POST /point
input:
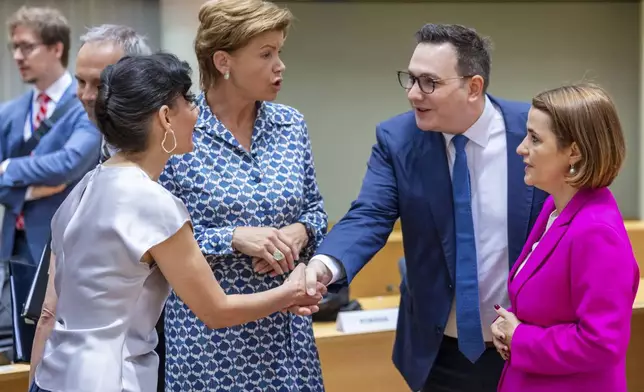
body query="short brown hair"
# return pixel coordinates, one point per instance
(229, 25)
(586, 115)
(48, 23)
(472, 49)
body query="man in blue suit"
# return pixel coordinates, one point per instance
(448, 169)
(40, 39)
(47, 142)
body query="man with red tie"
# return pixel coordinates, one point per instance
(47, 144)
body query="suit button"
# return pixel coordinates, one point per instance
(450, 286)
(438, 330)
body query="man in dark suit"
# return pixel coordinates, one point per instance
(449, 170)
(39, 167)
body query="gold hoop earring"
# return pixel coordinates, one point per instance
(227, 75)
(174, 139)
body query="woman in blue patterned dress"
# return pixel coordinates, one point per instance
(251, 190)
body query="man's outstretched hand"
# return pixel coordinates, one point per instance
(316, 274)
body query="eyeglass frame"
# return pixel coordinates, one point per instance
(414, 80)
(24, 47)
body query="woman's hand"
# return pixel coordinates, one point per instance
(506, 324)
(266, 243)
(299, 238)
(498, 337)
(303, 304)
(298, 235)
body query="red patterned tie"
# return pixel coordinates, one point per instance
(43, 100)
(41, 114)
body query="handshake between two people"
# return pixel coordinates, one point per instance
(308, 285)
(276, 252)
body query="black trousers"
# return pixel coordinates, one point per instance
(452, 372)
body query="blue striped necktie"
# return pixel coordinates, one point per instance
(468, 316)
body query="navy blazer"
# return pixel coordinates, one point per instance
(408, 178)
(63, 156)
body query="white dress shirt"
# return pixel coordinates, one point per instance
(487, 163)
(55, 93)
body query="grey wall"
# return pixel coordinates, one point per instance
(341, 61)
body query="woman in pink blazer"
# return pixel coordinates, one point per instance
(572, 289)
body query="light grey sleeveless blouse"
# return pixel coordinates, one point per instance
(108, 301)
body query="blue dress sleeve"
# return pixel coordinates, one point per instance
(211, 240)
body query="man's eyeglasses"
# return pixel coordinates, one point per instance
(426, 84)
(24, 47)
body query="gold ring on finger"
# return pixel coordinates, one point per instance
(278, 255)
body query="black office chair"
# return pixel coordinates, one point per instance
(32, 308)
(335, 302)
(6, 323)
(22, 301)
(20, 273)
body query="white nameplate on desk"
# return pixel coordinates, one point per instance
(367, 320)
(9, 368)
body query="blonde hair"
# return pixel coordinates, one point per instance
(229, 25)
(48, 23)
(585, 114)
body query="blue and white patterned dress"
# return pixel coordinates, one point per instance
(223, 187)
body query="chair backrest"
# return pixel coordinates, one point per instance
(36, 296)
(20, 275)
(5, 300)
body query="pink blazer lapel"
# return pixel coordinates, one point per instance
(535, 234)
(549, 241)
(539, 256)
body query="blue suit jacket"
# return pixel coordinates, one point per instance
(408, 178)
(63, 156)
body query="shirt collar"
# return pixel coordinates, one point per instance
(266, 111)
(481, 130)
(56, 91)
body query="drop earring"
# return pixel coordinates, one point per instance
(174, 141)
(227, 75)
(572, 170)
